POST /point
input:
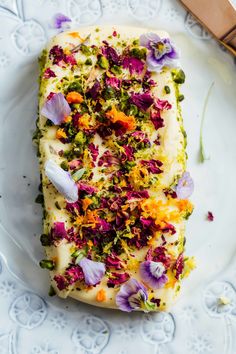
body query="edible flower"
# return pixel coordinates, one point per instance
(185, 186)
(134, 65)
(131, 296)
(142, 100)
(117, 278)
(113, 82)
(112, 261)
(111, 54)
(210, 216)
(72, 274)
(152, 165)
(162, 51)
(60, 21)
(156, 119)
(48, 73)
(56, 108)
(179, 266)
(101, 295)
(94, 90)
(128, 122)
(93, 271)
(162, 104)
(74, 97)
(62, 181)
(153, 274)
(58, 231)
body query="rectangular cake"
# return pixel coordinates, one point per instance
(113, 167)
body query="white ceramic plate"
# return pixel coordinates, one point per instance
(33, 323)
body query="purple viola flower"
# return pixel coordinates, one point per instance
(153, 274)
(62, 181)
(142, 100)
(60, 21)
(132, 296)
(185, 186)
(93, 271)
(56, 108)
(162, 51)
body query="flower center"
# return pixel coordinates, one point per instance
(136, 299)
(160, 49)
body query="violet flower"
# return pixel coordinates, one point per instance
(131, 296)
(185, 186)
(153, 274)
(162, 51)
(62, 181)
(60, 21)
(56, 108)
(93, 271)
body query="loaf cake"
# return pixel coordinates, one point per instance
(112, 153)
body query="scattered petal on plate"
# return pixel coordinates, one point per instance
(62, 181)
(60, 21)
(210, 216)
(185, 186)
(132, 295)
(153, 274)
(93, 271)
(56, 108)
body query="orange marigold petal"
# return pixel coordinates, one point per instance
(74, 97)
(101, 295)
(61, 134)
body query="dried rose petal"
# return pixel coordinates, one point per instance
(210, 216)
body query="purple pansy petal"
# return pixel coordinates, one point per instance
(56, 109)
(185, 186)
(145, 39)
(62, 181)
(93, 271)
(59, 20)
(153, 274)
(131, 296)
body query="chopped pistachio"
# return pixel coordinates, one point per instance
(51, 291)
(167, 89)
(103, 62)
(64, 165)
(39, 199)
(178, 76)
(180, 98)
(88, 61)
(47, 264)
(45, 240)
